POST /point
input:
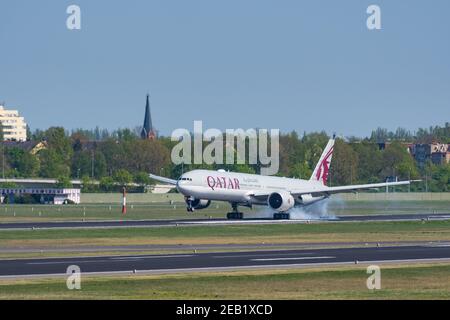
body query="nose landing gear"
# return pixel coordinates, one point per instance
(189, 202)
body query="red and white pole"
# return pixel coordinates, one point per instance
(124, 201)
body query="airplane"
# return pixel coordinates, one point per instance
(281, 194)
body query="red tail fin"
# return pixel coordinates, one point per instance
(323, 166)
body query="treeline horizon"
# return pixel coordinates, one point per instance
(122, 157)
(431, 134)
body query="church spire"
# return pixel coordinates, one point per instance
(147, 130)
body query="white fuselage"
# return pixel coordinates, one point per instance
(241, 187)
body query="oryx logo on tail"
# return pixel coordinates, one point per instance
(323, 166)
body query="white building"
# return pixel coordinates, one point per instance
(14, 126)
(161, 188)
(43, 195)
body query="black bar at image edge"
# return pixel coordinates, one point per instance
(221, 309)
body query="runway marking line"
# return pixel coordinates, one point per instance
(150, 257)
(293, 258)
(108, 260)
(67, 262)
(274, 253)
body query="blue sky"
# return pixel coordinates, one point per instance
(293, 65)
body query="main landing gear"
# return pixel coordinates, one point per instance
(235, 214)
(281, 216)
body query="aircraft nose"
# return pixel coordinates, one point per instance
(181, 186)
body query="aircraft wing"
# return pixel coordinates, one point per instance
(353, 188)
(163, 179)
(326, 191)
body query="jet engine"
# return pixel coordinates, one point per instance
(281, 201)
(200, 204)
(197, 204)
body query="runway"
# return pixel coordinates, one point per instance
(187, 222)
(222, 261)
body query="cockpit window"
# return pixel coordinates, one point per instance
(185, 179)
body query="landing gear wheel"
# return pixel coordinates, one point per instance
(281, 216)
(235, 216)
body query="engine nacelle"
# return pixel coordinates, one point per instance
(199, 204)
(281, 201)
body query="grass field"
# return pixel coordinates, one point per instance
(428, 281)
(329, 232)
(177, 210)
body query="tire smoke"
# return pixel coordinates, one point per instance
(322, 210)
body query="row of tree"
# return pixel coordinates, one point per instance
(122, 157)
(422, 135)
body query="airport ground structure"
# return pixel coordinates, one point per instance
(55, 196)
(43, 191)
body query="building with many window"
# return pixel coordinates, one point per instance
(14, 126)
(436, 153)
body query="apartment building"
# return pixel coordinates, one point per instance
(14, 126)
